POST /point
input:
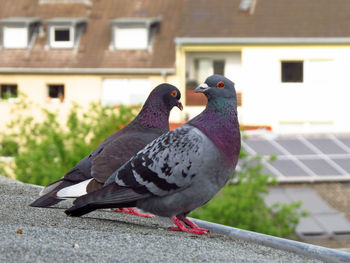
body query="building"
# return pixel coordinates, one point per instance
(281, 55)
(58, 52)
(286, 58)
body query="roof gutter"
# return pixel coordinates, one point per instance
(311, 251)
(89, 71)
(260, 40)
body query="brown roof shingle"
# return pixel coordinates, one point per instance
(93, 51)
(180, 18)
(271, 18)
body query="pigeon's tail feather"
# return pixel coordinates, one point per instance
(73, 191)
(110, 196)
(47, 195)
(79, 211)
(45, 201)
(48, 198)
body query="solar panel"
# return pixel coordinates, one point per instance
(326, 146)
(294, 146)
(323, 221)
(289, 168)
(345, 140)
(267, 170)
(343, 163)
(320, 167)
(263, 147)
(303, 157)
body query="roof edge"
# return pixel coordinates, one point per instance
(70, 71)
(312, 251)
(261, 40)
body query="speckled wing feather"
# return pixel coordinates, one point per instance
(166, 165)
(118, 151)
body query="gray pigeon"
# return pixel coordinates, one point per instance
(182, 169)
(92, 171)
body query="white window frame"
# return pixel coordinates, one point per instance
(122, 44)
(61, 44)
(14, 43)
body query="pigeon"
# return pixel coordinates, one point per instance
(93, 170)
(182, 169)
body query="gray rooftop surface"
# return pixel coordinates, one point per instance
(48, 235)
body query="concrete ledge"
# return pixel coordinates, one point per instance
(48, 235)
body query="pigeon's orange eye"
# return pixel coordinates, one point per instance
(174, 93)
(220, 85)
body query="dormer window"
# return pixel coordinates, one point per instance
(134, 33)
(18, 32)
(65, 32)
(61, 37)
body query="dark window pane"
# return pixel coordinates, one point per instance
(292, 71)
(219, 67)
(62, 35)
(8, 91)
(56, 91)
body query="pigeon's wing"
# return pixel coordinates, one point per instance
(166, 165)
(117, 152)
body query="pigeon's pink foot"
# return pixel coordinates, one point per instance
(132, 211)
(194, 229)
(193, 225)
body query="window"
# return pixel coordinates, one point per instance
(15, 37)
(133, 32)
(62, 34)
(61, 37)
(18, 32)
(8, 91)
(131, 38)
(56, 92)
(219, 67)
(125, 91)
(65, 32)
(292, 71)
(206, 67)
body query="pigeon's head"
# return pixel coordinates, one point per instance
(217, 86)
(168, 95)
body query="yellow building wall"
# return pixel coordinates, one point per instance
(82, 89)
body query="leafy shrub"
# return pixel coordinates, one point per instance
(47, 149)
(8, 148)
(241, 203)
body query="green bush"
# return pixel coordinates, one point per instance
(241, 203)
(8, 147)
(47, 150)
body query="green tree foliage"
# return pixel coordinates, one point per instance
(241, 203)
(47, 149)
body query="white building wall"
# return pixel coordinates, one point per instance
(319, 104)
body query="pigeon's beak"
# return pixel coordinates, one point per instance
(179, 105)
(201, 88)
